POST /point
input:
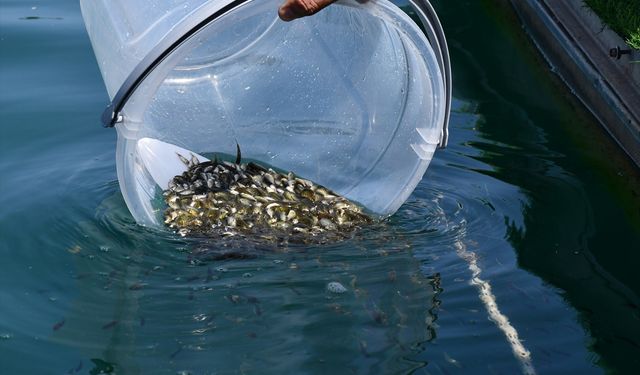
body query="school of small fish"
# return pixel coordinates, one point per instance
(226, 198)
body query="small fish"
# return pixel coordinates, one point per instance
(209, 274)
(174, 354)
(363, 348)
(75, 249)
(136, 286)
(184, 160)
(59, 325)
(452, 360)
(102, 367)
(238, 154)
(110, 325)
(392, 275)
(194, 160)
(377, 315)
(227, 199)
(76, 369)
(252, 299)
(40, 18)
(257, 310)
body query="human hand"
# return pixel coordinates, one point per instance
(292, 9)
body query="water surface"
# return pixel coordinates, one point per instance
(531, 200)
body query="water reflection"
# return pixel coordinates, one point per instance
(580, 216)
(558, 245)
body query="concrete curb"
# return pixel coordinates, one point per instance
(576, 44)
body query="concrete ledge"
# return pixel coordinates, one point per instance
(576, 44)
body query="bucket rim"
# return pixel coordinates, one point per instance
(208, 14)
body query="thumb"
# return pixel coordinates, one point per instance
(292, 9)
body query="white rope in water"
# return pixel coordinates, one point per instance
(486, 296)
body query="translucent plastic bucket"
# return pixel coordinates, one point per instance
(355, 98)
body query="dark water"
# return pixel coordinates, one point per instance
(531, 206)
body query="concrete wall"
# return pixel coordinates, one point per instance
(576, 44)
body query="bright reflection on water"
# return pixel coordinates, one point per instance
(83, 289)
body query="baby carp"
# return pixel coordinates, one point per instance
(225, 198)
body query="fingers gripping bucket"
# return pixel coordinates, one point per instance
(355, 98)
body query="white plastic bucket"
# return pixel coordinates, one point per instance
(355, 98)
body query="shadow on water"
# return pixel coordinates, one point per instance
(582, 216)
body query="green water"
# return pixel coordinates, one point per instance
(530, 190)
